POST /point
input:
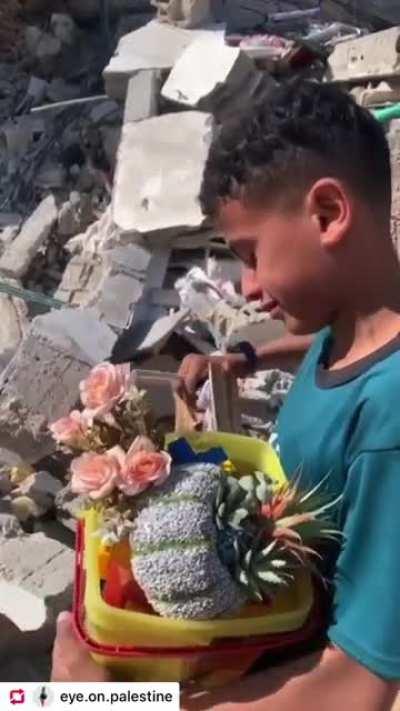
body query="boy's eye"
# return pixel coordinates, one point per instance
(245, 253)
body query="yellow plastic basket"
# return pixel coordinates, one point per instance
(112, 626)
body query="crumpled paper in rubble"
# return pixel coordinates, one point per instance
(214, 302)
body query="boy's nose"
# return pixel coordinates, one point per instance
(251, 289)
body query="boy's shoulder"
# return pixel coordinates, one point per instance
(376, 423)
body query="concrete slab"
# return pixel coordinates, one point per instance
(208, 72)
(154, 46)
(142, 96)
(161, 197)
(373, 56)
(41, 383)
(18, 255)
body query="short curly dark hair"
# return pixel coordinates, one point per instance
(299, 132)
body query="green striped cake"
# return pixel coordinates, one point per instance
(174, 542)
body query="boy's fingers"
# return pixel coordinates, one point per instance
(192, 371)
(71, 661)
(66, 645)
(65, 634)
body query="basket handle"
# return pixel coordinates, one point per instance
(224, 404)
(185, 419)
(224, 400)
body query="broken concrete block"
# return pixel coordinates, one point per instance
(17, 257)
(142, 96)
(125, 271)
(100, 235)
(111, 283)
(154, 46)
(80, 280)
(385, 92)
(23, 620)
(9, 526)
(13, 324)
(42, 566)
(68, 507)
(41, 382)
(373, 56)
(152, 336)
(41, 487)
(24, 610)
(189, 14)
(74, 215)
(163, 195)
(207, 72)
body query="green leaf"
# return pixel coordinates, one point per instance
(279, 563)
(266, 551)
(268, 576)
(247, 483)
(248, 557)
(243, 578)
(237, 518)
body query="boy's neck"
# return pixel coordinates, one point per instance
(371, 322)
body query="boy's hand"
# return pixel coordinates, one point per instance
(71, 661)
(194, 370)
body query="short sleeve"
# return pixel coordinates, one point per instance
(366, 622)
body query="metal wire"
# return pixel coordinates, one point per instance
(33, 297)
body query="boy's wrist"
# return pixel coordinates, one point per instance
(245, 357)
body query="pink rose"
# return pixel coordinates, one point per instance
(95, 475)
(142, 468)
(70, 430)
(104, 388)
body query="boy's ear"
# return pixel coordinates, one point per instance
(330, 209)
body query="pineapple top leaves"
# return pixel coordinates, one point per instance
(266, 535)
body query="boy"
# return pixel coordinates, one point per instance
(301, 187)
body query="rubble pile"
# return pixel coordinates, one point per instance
(106, 119)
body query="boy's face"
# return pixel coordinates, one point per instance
(294, 273)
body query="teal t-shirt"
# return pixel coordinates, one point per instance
(347, 423)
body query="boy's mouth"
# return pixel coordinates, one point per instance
(269, 305)
(273, 308)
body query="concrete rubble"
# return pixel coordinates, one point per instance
(17, 258)
(41, 382)
(105, 126)
(184, 14)
(163, 195)
(40, 566)
(155, 46)
(374, 56)
(206, 71)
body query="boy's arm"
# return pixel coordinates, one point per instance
(334, 683)
(285, 353)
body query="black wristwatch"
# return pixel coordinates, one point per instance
(249, 352)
